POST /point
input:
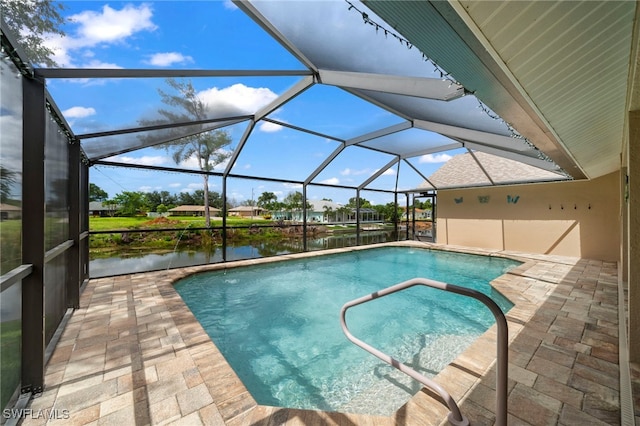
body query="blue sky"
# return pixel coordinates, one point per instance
(217, 35)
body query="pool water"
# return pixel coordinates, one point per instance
(278, 324)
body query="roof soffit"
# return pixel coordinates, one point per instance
(438, 30)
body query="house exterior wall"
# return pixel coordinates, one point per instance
(578, 218)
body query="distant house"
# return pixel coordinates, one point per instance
(187, 210)
(323, 211)
(421, 214)
(319, 211)
(246, 211)
(100, 209)
(8, 211)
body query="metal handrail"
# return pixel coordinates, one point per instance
(455, 417)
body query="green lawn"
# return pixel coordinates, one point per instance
(10, 244)
(119, 223)
(185, 234)
(10, 342)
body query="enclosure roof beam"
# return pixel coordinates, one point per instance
(324, 164)
(420, 173)
(535, 162)
(440, 148)
(155, 168)
(166, 73)
(481, 166)
(468, 134)
(230, 120)
(236, 152)
(302, 129)
(379, 172)
(379, 133)
(291, 93)
(12, 48)
(253, 12)
(430, 88)
(165, 140)
(377, 103)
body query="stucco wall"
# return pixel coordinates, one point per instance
(578, 218)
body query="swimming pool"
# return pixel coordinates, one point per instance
(278, 324)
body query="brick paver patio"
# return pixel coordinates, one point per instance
(134, 354)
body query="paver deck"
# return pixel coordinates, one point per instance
(134, 354)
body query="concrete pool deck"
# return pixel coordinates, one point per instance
(134, 354)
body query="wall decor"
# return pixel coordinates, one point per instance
(512, 200)
(458, 200)
(484, 199)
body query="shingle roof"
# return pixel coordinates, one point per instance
(9, 208)
(246, 209)
(463, 171)
(319, 205)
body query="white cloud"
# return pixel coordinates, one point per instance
(193, 163)
(60, 48)
(190, 187)
(434, 158)
(236, 99)
(112, 25)
(146, 160)
(99, 64)
(175, 185)
(331, 181)
(349, 172)
(292, 185)
(78, 112)
(168, 58)
(107, 26)
(269, 127)
(228, 4)
(389, 172)
(147, 188)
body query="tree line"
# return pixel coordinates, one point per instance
(131, 203)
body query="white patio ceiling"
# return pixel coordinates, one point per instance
(558, 71)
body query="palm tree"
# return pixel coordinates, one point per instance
(207, 147)
(344, 210)
(8, 178)
(327, 211)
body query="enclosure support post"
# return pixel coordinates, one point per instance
(406, 196)
(433, 217)
(304, 217)
(358, 217)
(224, 218)
(395, 217)
(84, 222)
(73, 262)
(413, 216)
(33, 234)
